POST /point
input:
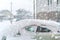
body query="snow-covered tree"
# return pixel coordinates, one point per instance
(23, 14)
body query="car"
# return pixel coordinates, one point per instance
(31, 29)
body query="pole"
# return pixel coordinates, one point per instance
(34, 9)
(11, 14)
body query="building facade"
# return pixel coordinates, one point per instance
(48, 9)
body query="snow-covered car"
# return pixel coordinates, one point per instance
(31, 29)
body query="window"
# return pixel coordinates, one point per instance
(58, 2)
(41, 29)
(30, 28)
(49, 2)
(36, 29)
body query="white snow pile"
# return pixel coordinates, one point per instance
(50, 24)
(12, 29)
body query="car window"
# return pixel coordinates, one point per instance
(37, 29)
(30, 28)
(42, 29)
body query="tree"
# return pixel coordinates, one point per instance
(22, 14)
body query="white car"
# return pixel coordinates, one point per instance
(31, 29)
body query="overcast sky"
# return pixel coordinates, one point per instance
(23, 4)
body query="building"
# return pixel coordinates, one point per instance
(48, 9)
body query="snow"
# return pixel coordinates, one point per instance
(4, 25)
(50, 24)
(9, 30)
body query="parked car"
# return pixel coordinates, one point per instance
(31, 29)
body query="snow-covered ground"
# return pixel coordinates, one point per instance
(4, 24)
(9, 30)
